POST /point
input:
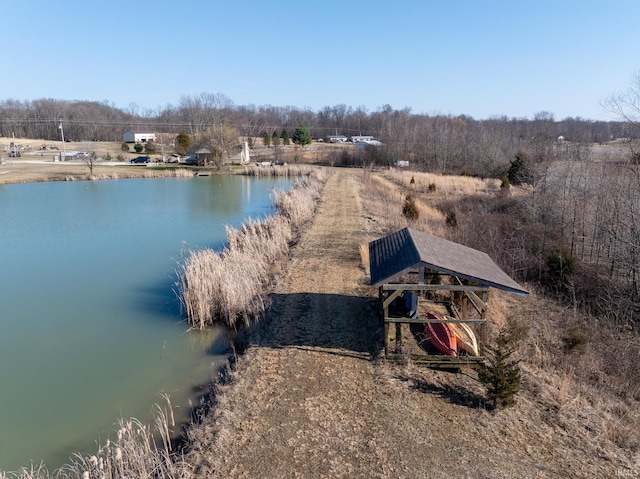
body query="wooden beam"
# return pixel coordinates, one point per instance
(438, 360)
(432, 287)
(390, 298)
(423, 321)
(480, 305)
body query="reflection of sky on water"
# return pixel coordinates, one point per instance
(89, 324)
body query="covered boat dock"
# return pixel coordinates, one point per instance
(426, 281)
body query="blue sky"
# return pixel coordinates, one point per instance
(478, 58)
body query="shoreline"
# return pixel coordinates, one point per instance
(177, 440)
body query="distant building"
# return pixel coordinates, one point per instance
(203, 156)
(138, 136)
(337, 138)
(358, 139)
(361, 145)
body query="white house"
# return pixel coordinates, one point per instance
(358, 139)
(138, 136)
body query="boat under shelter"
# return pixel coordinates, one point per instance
(424, 279)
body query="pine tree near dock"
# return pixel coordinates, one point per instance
(500, 374)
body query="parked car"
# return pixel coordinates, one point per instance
(82, 154)
(140, 159)
(14, 154)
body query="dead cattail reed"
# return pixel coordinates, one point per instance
(232, 285)
(288, 171)
(139, 450)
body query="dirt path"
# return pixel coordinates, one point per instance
(307, 399)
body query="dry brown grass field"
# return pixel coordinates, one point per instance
(312, 397)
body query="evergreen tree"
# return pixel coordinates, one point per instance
(124, 147)
(410, 209)
(520, 170)
(266, 138)
(183, 142)
(275, 139)
(285, 137)
(500, 374)
(138, 147)
(302, 136)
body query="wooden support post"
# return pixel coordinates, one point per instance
(386, 338)
(483, 327)
(383, 314)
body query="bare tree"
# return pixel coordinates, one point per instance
(202, 111)
(626, 105)
(90, 161)
(220, 140)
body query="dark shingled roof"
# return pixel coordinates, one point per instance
(408, 249)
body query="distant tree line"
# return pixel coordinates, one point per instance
(441, 143)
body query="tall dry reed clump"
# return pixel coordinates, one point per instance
(139, 451)
(289, 171)
(228, 285)
(232, 285)
(299, 203)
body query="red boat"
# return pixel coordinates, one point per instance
(441, 336)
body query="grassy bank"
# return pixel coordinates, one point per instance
(232, 285)
(580, 370)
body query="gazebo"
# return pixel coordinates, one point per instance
(203, 156)
(428, 287)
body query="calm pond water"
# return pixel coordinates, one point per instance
(90, 328)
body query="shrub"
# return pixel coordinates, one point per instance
(452, 219)
(432, 187)
(516, 330)
(413, 181)
(504, 183)
(150, 148)
(500, 374)
(138, 147)
(560, 268)
(574, 338)
(409, 209)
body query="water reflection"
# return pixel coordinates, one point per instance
(90, 328)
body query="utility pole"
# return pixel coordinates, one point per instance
(64, 152)
(162, 147)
